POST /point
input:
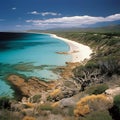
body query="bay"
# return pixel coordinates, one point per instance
(30, 54)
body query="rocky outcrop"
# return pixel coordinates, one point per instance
(113, 92)
(31, 86)
(61, 93)
(67, 102)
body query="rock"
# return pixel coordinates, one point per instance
(67, 102)
(30, 87)
(113, 92)
(64, 93)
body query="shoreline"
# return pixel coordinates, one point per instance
(78, 51)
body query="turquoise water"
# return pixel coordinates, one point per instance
(30, 55)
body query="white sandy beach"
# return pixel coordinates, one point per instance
(78, 51)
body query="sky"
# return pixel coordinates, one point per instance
(20, 15)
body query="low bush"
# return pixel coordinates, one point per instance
(97, 89)
(4, 103)
(71, 111)
(29, 118)
(45, 107)
(29, 105)
(115, 110)
(113, 41)
(9, 115)
(35, 98)
(55, 95)
(55, 92)
(109, 65)
(91, 65)
(57, 110)
(91, 103)
(98, 115)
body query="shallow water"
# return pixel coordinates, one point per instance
(30, 55)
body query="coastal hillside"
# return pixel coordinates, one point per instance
(102, 71)
(86, 91)
(105, 59)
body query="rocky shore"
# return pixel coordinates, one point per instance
(31, 86)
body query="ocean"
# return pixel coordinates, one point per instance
(30, 54)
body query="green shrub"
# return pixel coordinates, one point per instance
(57, 110)
(4, 103)
(98, 115)
(8, 115)
(97, 89)
(71, 111)
(115, 110)
(91, 64)
(109, 65)
(46, 107)
(36, 98)
(68, 111)
(113, 42)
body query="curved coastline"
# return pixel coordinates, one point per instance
(78, 51)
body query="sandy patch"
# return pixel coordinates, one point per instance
(78, 51)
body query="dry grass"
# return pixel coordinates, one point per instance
(28, 118)
(91, 103)
(56, 104)
(29, 105)
(55, 92)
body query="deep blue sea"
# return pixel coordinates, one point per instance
(30, 54)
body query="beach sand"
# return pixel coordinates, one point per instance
(78, 51)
